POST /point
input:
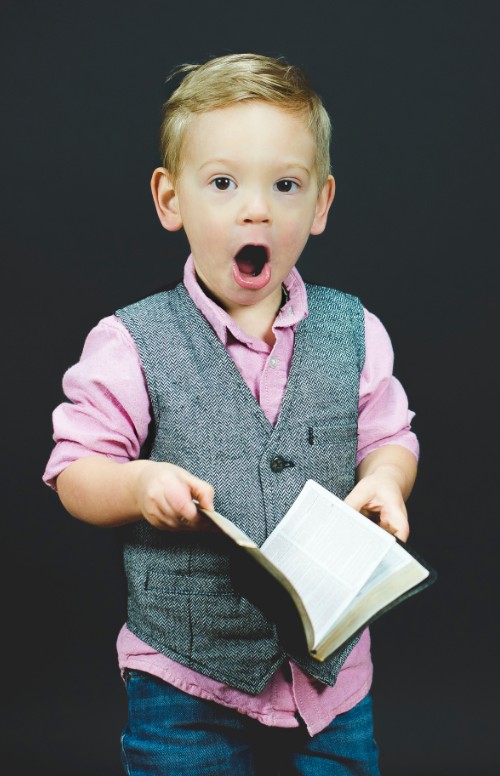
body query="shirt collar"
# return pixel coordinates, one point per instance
(290, 314)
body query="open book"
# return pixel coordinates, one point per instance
(340, 570)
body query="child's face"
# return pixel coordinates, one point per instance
(247, 179)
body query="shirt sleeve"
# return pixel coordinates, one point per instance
(384, 416)
(108, 409)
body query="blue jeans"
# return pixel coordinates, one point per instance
(170, 733)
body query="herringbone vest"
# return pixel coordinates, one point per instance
(181, 598)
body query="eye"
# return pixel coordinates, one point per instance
(286, 186)
(223, 184)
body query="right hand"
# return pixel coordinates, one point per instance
(164, 495)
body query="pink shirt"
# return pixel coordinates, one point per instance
(109, 415)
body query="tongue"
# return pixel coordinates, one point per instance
(251, 268)
(246, 267)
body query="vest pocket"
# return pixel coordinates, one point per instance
(331, 434)
(201, 619)
(157, 581)
(169, 606)
(231, 628)
(206, 620)
(331, 457)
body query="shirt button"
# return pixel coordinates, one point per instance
(273, 361)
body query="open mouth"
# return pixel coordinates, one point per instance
(251, 259)
(251, 267)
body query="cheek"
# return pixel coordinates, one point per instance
(217, 230)
(213, 243)
(295, 232)
(201, 230)
(208, 241)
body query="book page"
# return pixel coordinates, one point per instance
(328, 551)
(393, 562)
(397, 573)
(229, 528)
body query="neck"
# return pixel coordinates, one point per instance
(258, 319)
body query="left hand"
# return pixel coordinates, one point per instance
(379, 497)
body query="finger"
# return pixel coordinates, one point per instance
(180, 503)
(203, 492)
(397, 526)
(359, 497)
(402, 533)
(201, 496)
(388, 527)
(371, 514)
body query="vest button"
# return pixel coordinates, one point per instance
(278, 464)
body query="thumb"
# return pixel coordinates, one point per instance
(203, 492)
(358, 496)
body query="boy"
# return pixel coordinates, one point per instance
(232, 389)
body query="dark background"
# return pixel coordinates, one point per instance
(413, 93)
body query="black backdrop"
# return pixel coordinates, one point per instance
(412, 90)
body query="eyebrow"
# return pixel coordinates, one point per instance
(286, 164)
(215, 161)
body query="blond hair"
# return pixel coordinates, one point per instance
(233, 78)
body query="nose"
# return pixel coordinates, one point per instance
(255, 209)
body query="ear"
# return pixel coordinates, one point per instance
(325, 199)
(166, 201)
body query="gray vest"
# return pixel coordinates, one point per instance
(181, 599)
